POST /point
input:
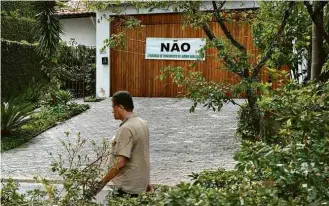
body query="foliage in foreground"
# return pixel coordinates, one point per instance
(298, 108)
(40, 122)
(14, 115)
(80, 172)
(292, 170)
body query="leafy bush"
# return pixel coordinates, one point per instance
(64, 96)
(247, 129)
(244, 192)
(294, 154)
(80, 172)
(41, 121)
(76, 108)
(291, 170)
(14, 115)
(93, 99)
(10, 195)
(60, 97)
(48, 100)
(288, 104)
(300, 113)
(217, 179)
(50, 115)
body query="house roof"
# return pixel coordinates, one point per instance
(66, 14)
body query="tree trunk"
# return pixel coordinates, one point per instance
(317, 45)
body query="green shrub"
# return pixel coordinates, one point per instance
(48, 100)
(243, 192)
(49, 115)
(80, 174)
(299, 112)
(218, 178)
(90, 99)
(93, 99)
(279, 106)
(17, 29)
(247, 129)
(20, 67)
(41, 121)
(156, 197)
(76, 108)
(291, 170)
(64, 96)
(10, 195)
(60, 97)
(297, 161)
(13, 115)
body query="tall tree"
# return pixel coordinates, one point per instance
(47, 33)
(48, 29)
(316, 12)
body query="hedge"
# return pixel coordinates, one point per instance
(19, 8)
(20, 67)
(17, 29)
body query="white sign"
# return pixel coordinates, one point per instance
(174, 48)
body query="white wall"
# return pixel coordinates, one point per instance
(102, 71)
(83, 30)
(103, 32)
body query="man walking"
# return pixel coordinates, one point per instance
(130, 170)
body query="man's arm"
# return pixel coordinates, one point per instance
(119, 162)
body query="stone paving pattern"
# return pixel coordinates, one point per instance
(181, 142)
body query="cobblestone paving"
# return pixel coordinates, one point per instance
(181, 142)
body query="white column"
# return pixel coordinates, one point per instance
(102, 71)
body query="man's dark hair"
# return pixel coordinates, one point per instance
(124, 99)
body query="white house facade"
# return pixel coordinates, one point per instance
(79, 28)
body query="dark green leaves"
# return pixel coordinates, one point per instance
(48, 29)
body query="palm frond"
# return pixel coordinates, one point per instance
(14, 115)
(48, 29)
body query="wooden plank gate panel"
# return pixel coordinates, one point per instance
(132, 72)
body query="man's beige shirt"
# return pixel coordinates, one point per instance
(132, 141)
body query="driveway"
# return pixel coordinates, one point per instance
(181, 142)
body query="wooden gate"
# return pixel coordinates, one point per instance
(129, 70)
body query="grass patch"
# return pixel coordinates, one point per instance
(48, 117)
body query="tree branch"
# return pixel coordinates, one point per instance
(312, 15)
(213, 38)
(234, 102)
(268, 54)
(227, 33)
